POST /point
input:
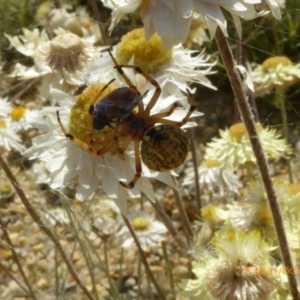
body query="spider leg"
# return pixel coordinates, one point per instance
(138, 168)
(166, 113)
(193, 106)
(150, 79)
(81, 144)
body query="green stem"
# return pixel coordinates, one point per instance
(280, 99)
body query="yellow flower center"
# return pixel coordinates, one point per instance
(208, 212)
(17, 113)
(79, 114)
(2, 123)
(238, 131)
(210, 163)
(148, 55)
(273, 62)
(140, 223)
(294, 188)
(5, 188)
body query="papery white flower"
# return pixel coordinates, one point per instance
(275, 72)
(214, 179)
(172, 19)
(21, 118)
(174, 68)
(106, 217)
(77, 22)
(233, 148)
(55, 216)
(148, 230)
(67, 162)
(8, 137)
(59, 61)
(6, 107)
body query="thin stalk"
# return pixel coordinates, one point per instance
(114, 291)
(100, 23)
(16, 259)
(144, 259)
(195, 166)
(43, 226)
(9, 274)
(184, 218)
(248, 120)
(172, 230)
(83, 248)
(169, 269)
(56, 275)
(285, 131)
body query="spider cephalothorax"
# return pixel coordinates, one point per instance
(164, 147)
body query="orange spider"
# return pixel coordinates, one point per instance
(164, 147)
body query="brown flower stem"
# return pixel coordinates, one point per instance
(248, 120)
(43, 226)
(195, 166)
(144, 259)
(15, 258)
(172, 230)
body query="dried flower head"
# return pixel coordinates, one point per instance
(231, 270)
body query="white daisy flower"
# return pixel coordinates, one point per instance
(9, 139)
(233, 148)
(148, 230)
(214, 179)
(59, 61)
(68, 162)
(197, 32)
(173, 25)
(6, 107)
(55, 216)
(21, 118)
(106, 217)
(173, 68)
(52, 18)
(275, 72)
(229, 270)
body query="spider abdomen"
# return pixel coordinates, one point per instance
(164, 147)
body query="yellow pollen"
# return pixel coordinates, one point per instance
(148, 55)
(17, 113)
(273, 62)
(238, 131)
(294, 188)
(211, 163)
(140, 223)
(79, 114)
(2, 124)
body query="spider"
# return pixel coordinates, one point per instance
(164, 147)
